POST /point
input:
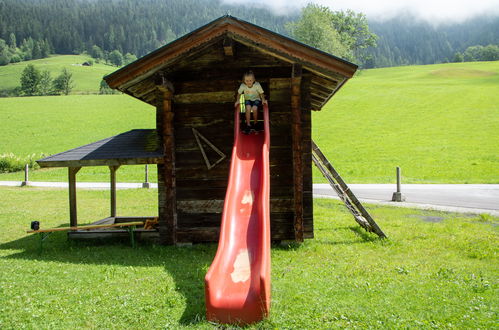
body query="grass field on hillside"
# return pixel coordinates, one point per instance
(53, 124)
(436, 270)
(439, 123)
(86, 78)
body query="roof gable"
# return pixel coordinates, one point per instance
(273, 44)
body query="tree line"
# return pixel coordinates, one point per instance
(28, 49)
(128, 26)
(406, 40)
(120, 30)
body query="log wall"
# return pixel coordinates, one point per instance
(204, 101)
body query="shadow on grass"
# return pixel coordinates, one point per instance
(186, 265)
(366, 236)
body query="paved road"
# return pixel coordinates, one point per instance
(476, 198)
(472, 198)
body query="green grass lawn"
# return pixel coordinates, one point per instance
(439, 123)
(87, 78)
(436, 270)
(52, 124)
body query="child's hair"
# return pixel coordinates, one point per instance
(248, 74)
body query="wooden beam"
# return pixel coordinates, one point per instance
(163, 84)
(102, 162)
(168, 211)
(113, 189)
(228, 46)
(73, 218)
(296, 109)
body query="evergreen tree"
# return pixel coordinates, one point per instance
(64, 83)
(12, 41)
(30, 80)
(45, 85)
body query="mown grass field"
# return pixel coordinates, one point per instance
(440, 123)
(436, 270)
(87, 78)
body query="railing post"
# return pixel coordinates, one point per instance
(146, 183)
(26, 176)
(398, 196)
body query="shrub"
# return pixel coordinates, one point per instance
(12, 163)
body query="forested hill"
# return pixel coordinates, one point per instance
(140, 26)
(130, 26)
(406, 40)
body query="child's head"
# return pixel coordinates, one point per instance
(249, 78)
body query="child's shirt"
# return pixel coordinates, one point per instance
(251, 94)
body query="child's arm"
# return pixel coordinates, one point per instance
(262, 97)
(237, 99)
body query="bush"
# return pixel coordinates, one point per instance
(12, 163)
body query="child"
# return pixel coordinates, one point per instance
(253, 97)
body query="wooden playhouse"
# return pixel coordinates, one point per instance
(192, 83)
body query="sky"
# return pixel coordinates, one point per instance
(431, 10)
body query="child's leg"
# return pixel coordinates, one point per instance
(255, 113)
(248, 114)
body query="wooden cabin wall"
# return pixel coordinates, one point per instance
(204, 100)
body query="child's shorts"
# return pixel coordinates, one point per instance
(255, 103)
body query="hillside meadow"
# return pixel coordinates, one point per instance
(439, 123)
(87, 78)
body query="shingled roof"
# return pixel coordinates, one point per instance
(330, 72)
(138, 146)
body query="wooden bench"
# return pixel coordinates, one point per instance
(130, 226)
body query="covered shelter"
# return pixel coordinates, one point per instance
(192, 83)
(135, 147)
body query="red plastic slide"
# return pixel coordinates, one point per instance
(237, 285)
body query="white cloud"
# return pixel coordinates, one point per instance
(439, 10)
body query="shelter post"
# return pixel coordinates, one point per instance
(113, 170)
(73, 218)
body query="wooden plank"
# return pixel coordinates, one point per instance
(197, 86)
(280, 83)
(124, 224)
(228, 47)
(212, 97)
(216, 206)
(103, 162)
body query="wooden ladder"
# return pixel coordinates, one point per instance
(358, 211)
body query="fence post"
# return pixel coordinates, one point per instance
(398, 196)
(26, 176)
(146, 183)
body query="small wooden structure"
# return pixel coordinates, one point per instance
(192, 84)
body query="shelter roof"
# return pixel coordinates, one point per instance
(331, 72)
(138, 146)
